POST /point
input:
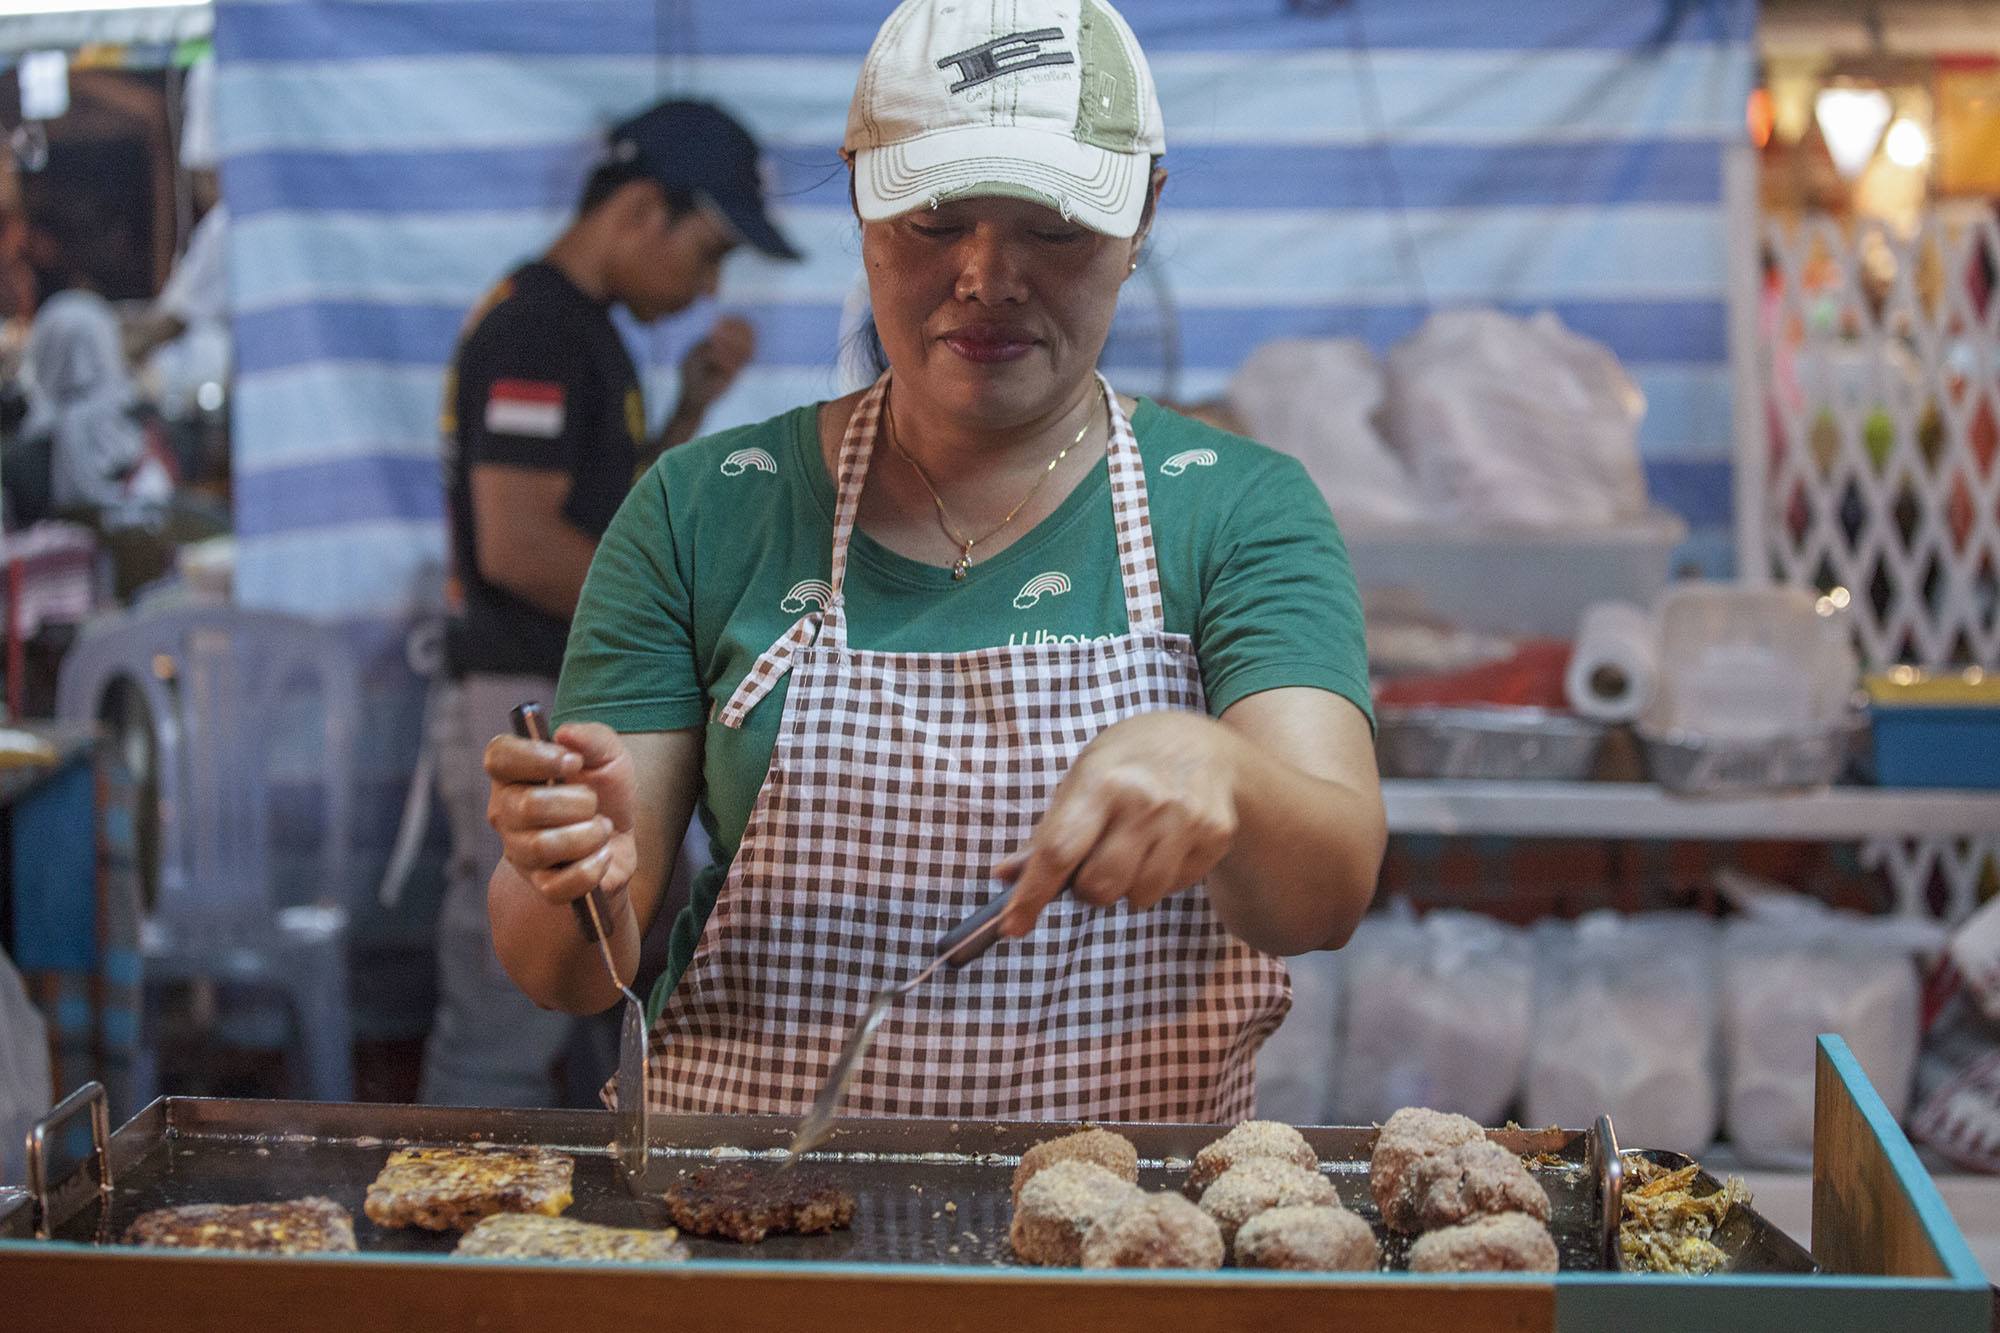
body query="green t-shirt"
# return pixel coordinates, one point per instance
(715, 553)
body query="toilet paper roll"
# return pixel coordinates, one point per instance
(1615, 664)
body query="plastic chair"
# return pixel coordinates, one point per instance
(214, 680)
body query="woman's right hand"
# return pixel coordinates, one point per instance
(564, 809)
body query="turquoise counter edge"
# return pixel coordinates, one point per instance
(1918, 1186)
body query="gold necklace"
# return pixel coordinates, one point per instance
(963, 542)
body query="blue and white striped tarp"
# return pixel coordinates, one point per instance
(386, 160)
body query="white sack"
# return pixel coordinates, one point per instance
(1433, 1013)
(1512, 421)
(1295, 1068)
(1784, 982)
(1625, 1025)
(1316, 399)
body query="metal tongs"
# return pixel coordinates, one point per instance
(967, 941)
(593, 917)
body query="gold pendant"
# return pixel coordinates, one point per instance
(959, 566)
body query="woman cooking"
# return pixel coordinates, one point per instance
(984, 621)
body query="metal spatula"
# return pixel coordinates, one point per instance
(592, 918)
(967, 941)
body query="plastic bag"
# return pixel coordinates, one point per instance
(1316, 399)
(1958, 1087)
(1791, 970)
(1625, 1025)
(1433, 1013)
(26, 1090)
(1295, 1070)
(1512, 421)
(1957, 1107)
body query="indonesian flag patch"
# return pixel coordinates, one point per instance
(525, 407)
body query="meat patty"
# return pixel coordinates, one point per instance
(1309, 1238)
(295, 1226)
(1472, 1180)
(440, 1189)
(1058, 1206)
(744, 1203)
(1158, 1231)
(1252, 1138)
(531, 1236)
(1243, 1191)
(1413, 1133)
(1113, 1152)
(1506, 1243)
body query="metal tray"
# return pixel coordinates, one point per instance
(1494, 744)
(1697, 765)
(927, 1192)
(1745, 1235)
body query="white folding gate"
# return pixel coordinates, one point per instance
(1867, 459)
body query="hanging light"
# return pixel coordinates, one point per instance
(1906, 144)
(1852, 121)
(1760, 117)
(44, 77)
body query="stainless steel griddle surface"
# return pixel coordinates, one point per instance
(927, 1192)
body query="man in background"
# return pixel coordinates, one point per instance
(544, 430)
(181, 342)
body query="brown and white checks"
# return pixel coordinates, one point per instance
(897, 779)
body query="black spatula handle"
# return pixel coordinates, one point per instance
(532, 723)
(960, 946)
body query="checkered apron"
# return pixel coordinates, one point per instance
(896, 780)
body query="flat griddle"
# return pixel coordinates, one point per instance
(928, 1192)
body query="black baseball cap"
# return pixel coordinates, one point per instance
(700, 148)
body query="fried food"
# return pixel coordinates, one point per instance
(532, 1236)
(294, 1226)
(1666, 1227)
(440, 1189)
(1252, 1138)
(1472, 1180)
(1157, 1231)
(1058, 1206)
(1308, 1238)
(744, 1203)
(1505, 1243)
(1250, 1187)
(1413, 1133)
(1113, 1152)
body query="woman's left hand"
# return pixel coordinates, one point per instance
(1146, 810)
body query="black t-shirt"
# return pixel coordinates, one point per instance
(540, 380)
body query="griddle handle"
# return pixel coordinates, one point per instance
(90, 1095)
(532, 723)
(1610, 1172)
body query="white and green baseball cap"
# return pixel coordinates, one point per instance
(1048, 100)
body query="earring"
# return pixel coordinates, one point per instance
(1133, 267)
